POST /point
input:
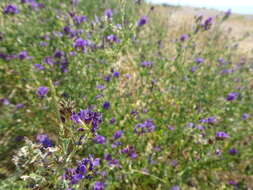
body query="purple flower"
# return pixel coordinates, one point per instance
(232, 182)
(19, 138)
(142, 21)
(207, 23)
(170, 127)
(117, 134)
(221, 61)
(39, 66)
(4, 101)
(26, 1)
(115, 74)
(232, 96)
(209, 120)
(190, 125)
(80, 44)
(146, 127)
(146, 64)
(174, 163)
(58, 54)
(133, 155)
(112, 38)
(193, 69)
(221, 135)
(108, 13)
(99, 139)
(107, 78)
(72, 53)
(42, 91)
(44, 140)
(100, 87)
(218, 152)
(106, 105)
(225, 71)
(67, 29)
(88, 117)
(73, 175)
(19, 106)
(232, 151)
(79, 19)
(23, 55)
(112, 120)
(118, 26)
(175, 187)
(130, 151)
(99, 186)
(34, 5)
(200, 127)
(183, 37)
(245, 116)
(75, 118)
(128, 76)
(198, 60)
(115, 144)
(10, 9)
(227, 13)
(48, 61)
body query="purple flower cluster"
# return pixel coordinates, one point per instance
(146, 127)
(58, 59)
(42, 91)
(80, 44)
(130, 152)
(23, 55)
(84, 169)
(112, 39)
(232, 151)
(183, 37)
(106, 105)
(221, 135)
(142, 21)
(146, 64)
(44, 140)
(99, 139)
(115, 74)
(117, 134)
(111, 161)
(88, 117)
(4, 101)
(79, 19)
(198, 60)
(98, 186)
(108, 13)
(33, 4)
(207, 23)
(10, 9)
(209, 120)
(232, 96)
(245, 116)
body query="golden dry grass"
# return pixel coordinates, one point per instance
(237, 27)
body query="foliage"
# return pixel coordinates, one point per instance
(95, 95)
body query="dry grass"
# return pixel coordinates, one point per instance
(238, 27)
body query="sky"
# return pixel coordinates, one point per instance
(237, 6)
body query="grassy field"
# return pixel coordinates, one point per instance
(122, 95)
(239, 27)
